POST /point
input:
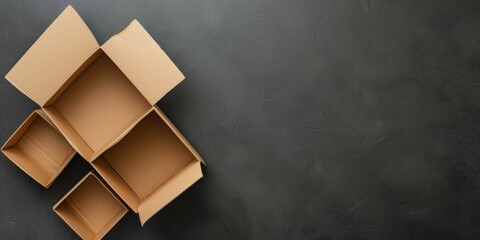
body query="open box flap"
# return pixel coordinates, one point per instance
(169, 191)
(54, 57)
(142, 60)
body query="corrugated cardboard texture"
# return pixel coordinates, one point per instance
(98, 107)
(39, 149)
(90, 208)
(54, 57)
(147, 158)
(143, 62)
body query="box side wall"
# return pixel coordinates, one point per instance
(169, 191)
(21, 130)
(69, 132)
(116, 183)
(70, 217)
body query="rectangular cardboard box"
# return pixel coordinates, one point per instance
(94, 95)
(90, 208)
(39, 149)
(151, 165)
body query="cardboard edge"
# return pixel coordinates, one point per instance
(125, 27)
(65, 135)
(173, 188)
(97, 154)
(68, 159)
(72, 189)
(97, 165)
(29, 120)
(179, 134)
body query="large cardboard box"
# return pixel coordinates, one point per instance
(94, 95)
(102, 101)
(38, 148)
(151, 165)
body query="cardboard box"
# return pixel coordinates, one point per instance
(151, 165)
(90, 208)
(38, 148)
(94, 95)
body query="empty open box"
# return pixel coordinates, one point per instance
(151, 165)
(91, 209)
(39, 149)
(94, 95)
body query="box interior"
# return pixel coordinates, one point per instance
(90, 209)
(145, 159)
(97, 107)
(41, 151)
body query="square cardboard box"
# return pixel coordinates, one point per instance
(90, 208)
(94, 95)
(151, 165)
(39, 149)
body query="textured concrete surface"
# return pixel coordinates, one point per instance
(353, 119)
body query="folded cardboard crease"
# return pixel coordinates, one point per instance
(100, 102)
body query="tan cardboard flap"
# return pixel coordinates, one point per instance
(143, 61)
(54, 57)
(169, 191)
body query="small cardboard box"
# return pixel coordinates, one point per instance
(90, 208)
(38, 148)
(151, 165)
(94, 95)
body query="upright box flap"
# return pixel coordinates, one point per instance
(143, 61)
(54, 57)
(169, 191)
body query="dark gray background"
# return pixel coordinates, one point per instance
(353, 119)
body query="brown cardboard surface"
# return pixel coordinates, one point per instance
(97, 108)
(90, 208)
(52, 59)
(143, 62)
(150, 166)
(39, 149)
